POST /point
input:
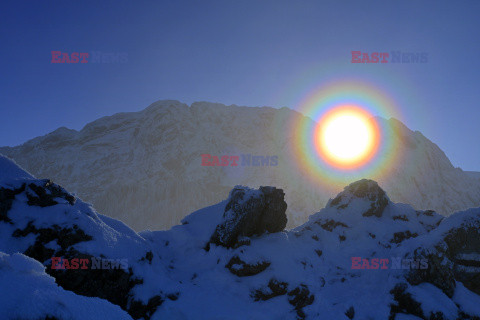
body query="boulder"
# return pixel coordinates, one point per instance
(364, 189)
(251, 212)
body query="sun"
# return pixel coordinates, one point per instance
(347, 137)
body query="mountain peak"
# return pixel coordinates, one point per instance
(366, 190)
(163, 105)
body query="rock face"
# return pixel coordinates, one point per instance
(463, 249)
(251, 212)
(144, 168)
(454, 257)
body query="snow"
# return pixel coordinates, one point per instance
(10, 171)
(467, 300)
(29, 293)
(433, 300)
(206, 288)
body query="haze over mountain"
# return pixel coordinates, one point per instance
(144, 168)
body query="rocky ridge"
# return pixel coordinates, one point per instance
(144, 168)
(235, 260)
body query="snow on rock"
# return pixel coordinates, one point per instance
(361, 257)
(467, 301)
(366, 190)
(43, 221)
(251, 212)
(28, 293)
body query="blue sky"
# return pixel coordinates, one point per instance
(250, 53)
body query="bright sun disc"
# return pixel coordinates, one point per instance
(347, 137)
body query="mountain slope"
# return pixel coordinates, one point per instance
(361, 257)
(474, 174)
(144, 168)
(29, 293)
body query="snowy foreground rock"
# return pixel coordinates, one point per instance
(361, 257)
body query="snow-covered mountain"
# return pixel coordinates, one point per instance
(474, 174)
(361, 257)
(144, 168)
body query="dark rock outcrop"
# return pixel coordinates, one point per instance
(242, 269)
(350, 313)
(363, 189)
(6, 199)
(463, 249)
(403, 235)
(251, 212)
(44, 194)
(404, 302)
(139, 310)
(300, 297)
(439, 271)
(330, 225)
(113, 284)
(274, 289)
(65, 237)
